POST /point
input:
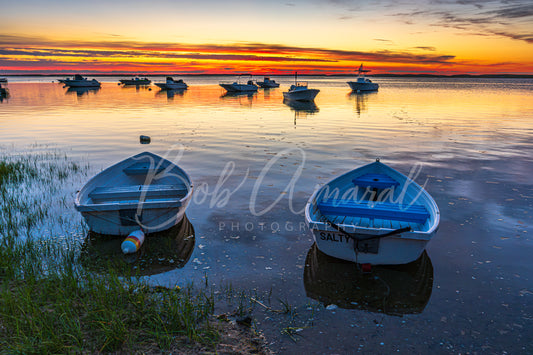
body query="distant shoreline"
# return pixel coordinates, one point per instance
(490, 76)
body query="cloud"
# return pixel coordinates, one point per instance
(257, 52)
(511, 21)
(424, 48)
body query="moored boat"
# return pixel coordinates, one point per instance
(135, 81)
(362, 83)
(267, 83)
(300, 91)
(79, 81)
(244, 83)
(3, 80)
(144, 192)
(372, 215)
(171, 84)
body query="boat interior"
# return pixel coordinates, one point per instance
(371, 200)
(134, 188)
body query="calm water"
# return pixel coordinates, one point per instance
(472, 292)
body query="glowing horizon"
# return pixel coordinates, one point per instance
(311, 37)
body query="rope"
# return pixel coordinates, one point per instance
(356, 240)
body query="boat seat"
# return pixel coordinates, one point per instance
(377, 210)
(134, 192)
(379, 181)
(142, 168)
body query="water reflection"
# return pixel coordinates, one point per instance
(82, 91)
(161, 252)
(243, 98)
(389, 289)
(170, 93)
(361, 100)
(302, 109)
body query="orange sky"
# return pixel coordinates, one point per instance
(315, 37)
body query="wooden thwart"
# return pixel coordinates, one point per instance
(381, 210)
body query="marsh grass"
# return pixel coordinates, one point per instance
(49, 303)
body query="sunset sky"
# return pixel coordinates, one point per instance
(269, 36)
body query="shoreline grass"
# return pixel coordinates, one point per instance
(49, 303)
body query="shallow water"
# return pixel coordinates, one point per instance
(255, 161)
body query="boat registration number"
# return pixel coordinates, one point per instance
(368, 246)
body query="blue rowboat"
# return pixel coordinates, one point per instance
(372, 215)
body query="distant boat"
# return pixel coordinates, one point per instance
(171, 84)
(372, 214)
(243, 84)
(300, 91)
(144, 192)
(267, 83)
(363, 83)
(135, 81)
(80, 82)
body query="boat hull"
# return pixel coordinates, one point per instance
(82, 83)
(174, 86)
(113, 223)
(301, 95)
(267, 85)
(238, 87)
(357, 86)
(144, 192)
(402, 249)
(350, 227)
(135, 82)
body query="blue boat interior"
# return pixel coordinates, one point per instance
(370, 201)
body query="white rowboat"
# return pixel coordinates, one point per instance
(372, 215)
(144, 192)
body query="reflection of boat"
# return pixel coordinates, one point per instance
(242, 84)
(161, 252)
(362, 83)
(372, 214)
(135, 81)
(300, 92)
(171, 93)
(302, 106)
(228, 94)
(144, 192)
(80, 82)
(3, 91)
(361, 100)
(267, 83)
(82, 91)
(171, 84)
(389, 289)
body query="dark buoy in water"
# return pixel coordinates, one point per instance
(144, 139)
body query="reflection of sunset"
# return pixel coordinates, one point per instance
(310, 37)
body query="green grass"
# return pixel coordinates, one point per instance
(49, 303)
